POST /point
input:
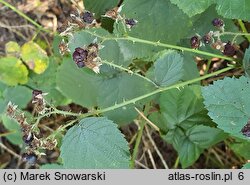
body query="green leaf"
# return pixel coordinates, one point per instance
(192, 7)
(234, 9)
(228, 104)
(12, 49)
(94, 143)
(182, 117)
(241, 148)
(229, 9)
(196, 139)
(246, 166)
(35, 57)
(80, 85)
(169, 23)
(246, 62)
(16, 136)
(18, 95)
(47, 83)
(190, 70)
(168, 68)
(13, 71)
(119, 88)
(183, 108)
(99, 7)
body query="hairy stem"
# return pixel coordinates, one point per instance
(134, 100)
(244, 30)
(130, 72)
(159, 90)
(159, 44)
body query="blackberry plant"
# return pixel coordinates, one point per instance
(182, 74)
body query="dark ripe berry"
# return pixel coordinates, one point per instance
(130, 22)
(36, 92)
(195, 42)
(88, 17)
(218, 22)
(246, 130)
(30, 158)
(28, 138)
(207, 38)
(229, 49)
(80, 64)
(80, 55)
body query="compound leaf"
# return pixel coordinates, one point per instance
(196, 139)
(182, 117)
(95, 143)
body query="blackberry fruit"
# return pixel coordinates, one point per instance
(88, 17)
(80, 64)
(195, 42)
(229, 49)
(130, 22)
(207, 38)
(30, 158)
(80, 55)
(35, 93)
(28, 138)
(218, 22)
(246, 130)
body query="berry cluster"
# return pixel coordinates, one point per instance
(29, 134)
(88, 56)
(213, 39)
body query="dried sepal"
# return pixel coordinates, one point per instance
(39, 101)
(63, 47)
(114, 13)
(49, 144)
(11, 109)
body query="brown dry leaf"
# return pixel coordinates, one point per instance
(38, 7)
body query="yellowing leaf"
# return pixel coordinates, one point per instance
(13, 71)
(35, 57)
(12, 49)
